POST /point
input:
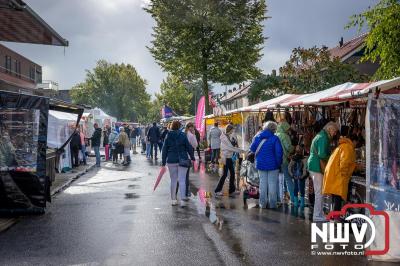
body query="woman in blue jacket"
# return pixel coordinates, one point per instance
(268, 149)
(176, 146)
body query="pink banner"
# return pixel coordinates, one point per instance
(201, 111)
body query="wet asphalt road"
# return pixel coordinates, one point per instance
(111, 216)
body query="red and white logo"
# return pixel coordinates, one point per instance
(336, 236)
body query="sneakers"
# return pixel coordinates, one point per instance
(174, 202)
(183, 204)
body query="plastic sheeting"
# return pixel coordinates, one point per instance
(383, 167)
(61, 127)
(23, 123)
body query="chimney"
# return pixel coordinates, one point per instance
(273, 72)
(341, 42)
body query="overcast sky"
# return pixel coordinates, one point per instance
(119, 30)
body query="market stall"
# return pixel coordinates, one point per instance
(24, 175)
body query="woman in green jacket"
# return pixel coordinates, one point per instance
(319, 155)
(287, 147)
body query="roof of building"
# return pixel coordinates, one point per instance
(19, 23)
(243, 91)
(348, 48)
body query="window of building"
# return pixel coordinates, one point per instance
(38, 75)
(32, 73)
(8, 64)
(17, 68)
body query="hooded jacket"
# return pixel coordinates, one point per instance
(319, 150)
(339, 169)
(270, 154)
(176, 146)
(286, 142)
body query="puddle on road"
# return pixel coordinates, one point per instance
(205, 206)
(131, 196)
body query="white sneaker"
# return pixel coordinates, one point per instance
(183, 204)
(174, 202)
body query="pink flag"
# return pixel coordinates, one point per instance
(201, 111)
(160, 175)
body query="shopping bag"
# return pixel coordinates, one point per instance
(160, 175)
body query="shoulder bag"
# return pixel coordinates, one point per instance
(182, 162)
(251, 156)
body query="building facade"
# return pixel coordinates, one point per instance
(17, 73)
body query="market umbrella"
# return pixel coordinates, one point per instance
(160, 175)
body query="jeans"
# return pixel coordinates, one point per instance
(154, 145)
(215, 155)
(97, 153)
(288, 180)
(133, 143)
(187, 184)
(176, 173)
(281, 187)
(299, 186)
(228, 166)
(143, 146)
(83, 151)
(268, 193)
(318, 204)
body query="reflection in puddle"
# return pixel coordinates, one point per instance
(131, 196)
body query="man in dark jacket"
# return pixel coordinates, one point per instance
(153, 136)
(75, 146)
(96, 139)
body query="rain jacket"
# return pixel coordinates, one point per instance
(154, 134)
(176, 146)
(113, 138)
(286, 142)
(339, 169)
(96, 137)
(214, 138)
(270, 154)
(319, 150)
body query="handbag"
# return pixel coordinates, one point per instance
(187, 163)
(251, 156)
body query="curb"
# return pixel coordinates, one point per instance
(68, 183)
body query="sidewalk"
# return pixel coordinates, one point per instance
(62, 181)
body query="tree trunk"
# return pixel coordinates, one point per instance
(206, 93)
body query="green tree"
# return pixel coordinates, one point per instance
(382, 42)
(208, 40)
(116, 88)
(175, 94)
(306, 71)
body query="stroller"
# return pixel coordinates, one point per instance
(251, 180)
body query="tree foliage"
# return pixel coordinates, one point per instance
(306, 71)
(382, 42)
(208, 40)
(175, 94)
(115, 88)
